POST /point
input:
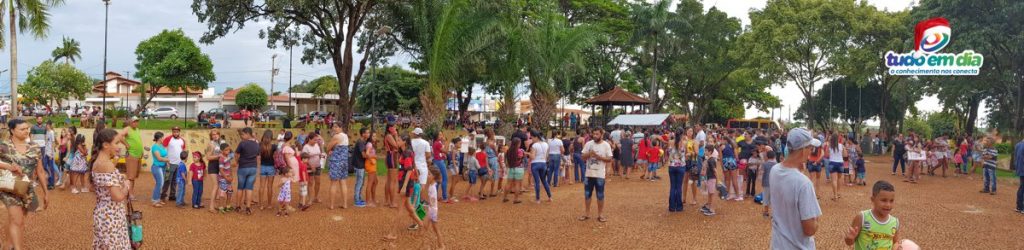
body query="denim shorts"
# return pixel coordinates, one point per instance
(267, 171)
(813, 167)
(729, 164)
(835, 167)
(516, 173)
(246, 178)
(652, 167)
(592, 184)
(471, 176)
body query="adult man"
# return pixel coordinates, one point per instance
(597, 154)
(4, 111)
(359, 164)
(174, 145)
(627, 155)
(421, 152)
(1018, 168)
(132, 141)
(898, 153)
(791, 197)
(701, 139)
(38, 135)
(614, 137)
(49, 151)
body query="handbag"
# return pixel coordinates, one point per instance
(15, 185)
(134, 227)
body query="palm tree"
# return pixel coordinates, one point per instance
(69, 51)
(551, 52)
(649, 33)
(29, 16)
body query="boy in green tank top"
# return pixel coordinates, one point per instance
(876, 228)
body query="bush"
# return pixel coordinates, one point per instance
(1005, 148)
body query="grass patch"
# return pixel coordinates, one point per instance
(154, 124)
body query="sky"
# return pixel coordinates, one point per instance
(242, 57)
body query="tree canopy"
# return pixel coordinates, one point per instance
(51, 82)
(172, 60)
(251, 96)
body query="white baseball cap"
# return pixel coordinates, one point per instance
(799, 138)
(417, 131)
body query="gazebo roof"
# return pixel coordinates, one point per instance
(618, 96)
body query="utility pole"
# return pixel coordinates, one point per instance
(273, 72)
(290, 58)
(106, 21)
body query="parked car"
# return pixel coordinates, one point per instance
(321, 114)
(218, 113)
(40, 110)
(362, 117)
(274, 114)
(164, 112)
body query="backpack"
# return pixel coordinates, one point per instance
(279, 162)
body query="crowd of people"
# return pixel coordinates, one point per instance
(423, 170)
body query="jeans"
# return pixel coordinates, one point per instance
(989, 180)
(675, 193)
(180, 198)
(751, 181)
(359, 184)
(591, 184)
(53, 174)
(898, 159)
(1020, 195)
(579, 170)
(966, 159)
(197, 193)
(158, 179)
(554, 162)
(170, 185)
(444, 177)
(538, 170)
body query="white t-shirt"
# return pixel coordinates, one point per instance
(701, 137)
(420, 147)
(541, 149)
(344, 140)
(555, 146)
(616, 135)
(464, 146)
(4, 109)
(174, 148)
(792, 200)
(432, 198)
(836, 155)
(595, 167)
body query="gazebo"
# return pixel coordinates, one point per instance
(614, 97)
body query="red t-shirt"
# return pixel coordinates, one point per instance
(653, 154)
(302, 169)
(438, 155)
(963, 149)
(481, 158)
(198, 170)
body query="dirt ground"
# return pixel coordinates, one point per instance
(938, 213)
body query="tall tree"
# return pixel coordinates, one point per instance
(69, 51)
(390, 89)
(326, 29)
(171, 60)
(251, 96)
(52, 82)
(609, 60)
(29, 16)
(874, 32)
(799, 41)
(651, 22)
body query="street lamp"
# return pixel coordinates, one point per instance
(106, 21)
(273, 72)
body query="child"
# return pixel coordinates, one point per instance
(989, 168)
(304, 204)
(876, 228)
(79, 165)
(483, 173)
(472, 166)
(860, 168)
(766, 168)
(198, 170)
(653, 158)
(285, 196)
(710, 160)
(502, 167)
(181, 174)
(432, 209)
(370, 187)
(224, 179)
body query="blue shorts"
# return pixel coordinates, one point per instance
(246, 178)
(813, 167)
(729, 164)
(267, 171)
(835, 167)
(592, 184)
(652, 167)
(471, 176)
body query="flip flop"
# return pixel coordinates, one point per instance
(583, 218)
(602, 219)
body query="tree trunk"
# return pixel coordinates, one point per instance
(12, 25)
(1018, 121)
(543, 100)
(464, 103)
(432, 99)
(972, 115)
(506, 113)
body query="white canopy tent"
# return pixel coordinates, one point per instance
(639, 120)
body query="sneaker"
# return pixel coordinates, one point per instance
(704, 209)
(360, 204)
(74, 190)
(708, 213)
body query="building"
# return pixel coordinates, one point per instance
(123, 92)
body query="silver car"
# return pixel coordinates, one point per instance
(164, 112)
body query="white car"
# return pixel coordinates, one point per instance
(164, 112)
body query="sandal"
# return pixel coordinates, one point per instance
(602, 219)
(517, 202)
(583, 218)
(504, 200)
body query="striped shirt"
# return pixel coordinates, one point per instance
(990, 163)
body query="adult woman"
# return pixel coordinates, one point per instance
(676, 172)
(514, 157)
(290, 159)
(337, 164)
(692, 172)
(213, 160)
(159, 154)
(247, 159)
(835, 163)
(19, 155)
(538, 166)
(267, 172)
(392, 147)
(110, 225)
(315, 152)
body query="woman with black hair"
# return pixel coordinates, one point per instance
(110, 225)
(18, 155)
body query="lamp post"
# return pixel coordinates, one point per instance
(273, 72)
(106, 21)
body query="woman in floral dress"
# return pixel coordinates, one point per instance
(110, 219)
(21, 157)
